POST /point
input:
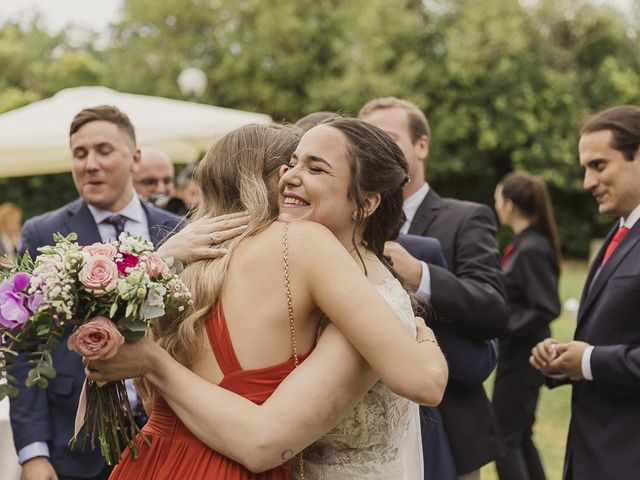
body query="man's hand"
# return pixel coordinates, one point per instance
(38, 468)
(408, 267)
(569, 360)
(543, 354)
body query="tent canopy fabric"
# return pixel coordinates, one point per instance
(34, 139)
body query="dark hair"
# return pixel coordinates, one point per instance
(311, 120)
(377, 165)
(530, 195)
(105, 113)
(418, 124)
(624, 123)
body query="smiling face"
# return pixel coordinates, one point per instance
(315, 185)
(612, 180)
(103, 160)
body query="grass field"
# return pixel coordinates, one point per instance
(550, 430)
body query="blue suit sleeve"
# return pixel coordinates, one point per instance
(470, 361)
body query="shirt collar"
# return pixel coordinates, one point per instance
(631, 220)
(416, 198)
(133, 211)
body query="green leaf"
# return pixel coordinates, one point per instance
(32, 377)
(47, 371)
(132, 336)
(133, 325)
(113, 310)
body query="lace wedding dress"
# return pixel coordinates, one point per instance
(380, 438)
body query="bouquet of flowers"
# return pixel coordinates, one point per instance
(108, 292)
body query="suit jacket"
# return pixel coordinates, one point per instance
(469, 298)
(47, 415)
(604, 432)
(470, 361)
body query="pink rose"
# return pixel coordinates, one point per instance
(156, 268)
(106, 249)
(99, 274)
(128, 260)
(98, 339)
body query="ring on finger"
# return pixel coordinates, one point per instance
(215, 239)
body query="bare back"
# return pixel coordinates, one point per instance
(254, 302)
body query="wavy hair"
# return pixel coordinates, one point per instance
(233, 177)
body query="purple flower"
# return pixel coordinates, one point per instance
(34, 301)
(6, 286)
(13, 313)
(20, 281)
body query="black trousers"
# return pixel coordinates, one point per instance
(515, 397)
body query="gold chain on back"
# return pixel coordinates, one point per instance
(292, 324)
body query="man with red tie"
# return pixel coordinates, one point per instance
(603, 362)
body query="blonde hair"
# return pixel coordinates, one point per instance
(233, 177)
(6, 210)
(418, 124)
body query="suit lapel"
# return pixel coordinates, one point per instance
(159, 226)
(426, 213)
(597, 280)
(81, 222)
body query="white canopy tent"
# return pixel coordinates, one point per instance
(34, 139)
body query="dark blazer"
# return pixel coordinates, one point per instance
(470, 361)
(469, 298)
(531, 280)
(47, 415)
(604, 432)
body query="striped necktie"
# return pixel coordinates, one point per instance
(117, 221)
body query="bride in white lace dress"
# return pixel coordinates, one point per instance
(348, 176)
(380, 437)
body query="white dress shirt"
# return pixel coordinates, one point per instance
(410, 207)
(629, 222)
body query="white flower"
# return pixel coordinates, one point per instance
(153, 305)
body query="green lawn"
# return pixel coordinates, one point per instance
(550, 430)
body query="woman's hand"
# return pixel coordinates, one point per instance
(199, 239)
(134, 359)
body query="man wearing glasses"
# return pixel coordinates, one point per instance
(155, 175)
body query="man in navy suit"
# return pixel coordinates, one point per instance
(468, 297)
(104, 158)
(603, 362)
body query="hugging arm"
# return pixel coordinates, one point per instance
(309, 402)
(417, 371)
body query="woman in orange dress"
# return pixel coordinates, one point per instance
(257, 319)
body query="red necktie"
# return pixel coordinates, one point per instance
(506, 254)
(620, 234)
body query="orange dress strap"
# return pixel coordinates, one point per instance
(220, 341)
